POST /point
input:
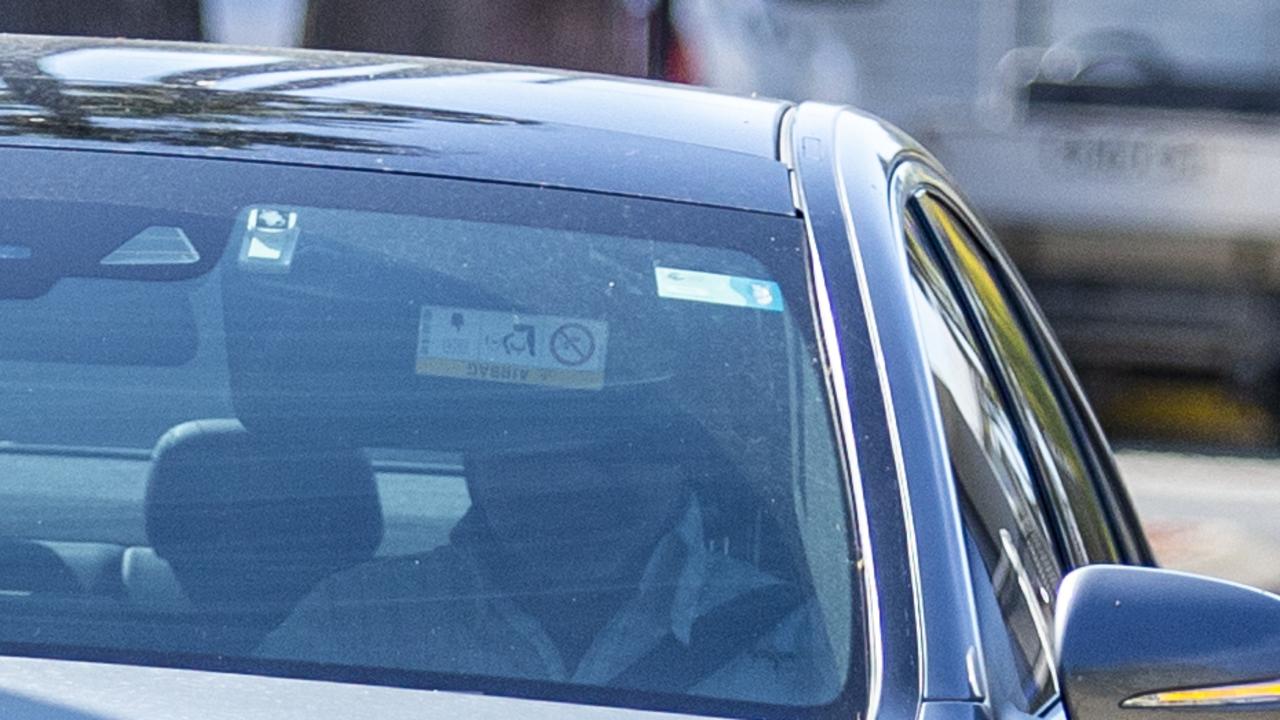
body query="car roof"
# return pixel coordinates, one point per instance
(399, 114)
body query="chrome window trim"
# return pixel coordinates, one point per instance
(900, 191)
(1050, 476)
(912, 174)
(918, 177)
(1095, 449)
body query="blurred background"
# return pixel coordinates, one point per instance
(1127, 153)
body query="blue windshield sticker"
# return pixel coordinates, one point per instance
(719, 289)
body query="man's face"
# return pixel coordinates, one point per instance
(572, 519)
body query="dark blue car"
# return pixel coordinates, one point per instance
(339, 385)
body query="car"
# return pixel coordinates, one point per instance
(340, 385)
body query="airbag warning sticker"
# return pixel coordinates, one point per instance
(511, 347)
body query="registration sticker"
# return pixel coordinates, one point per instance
(269, 240)
(718, 289)
(509, 347)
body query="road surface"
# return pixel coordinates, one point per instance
(1213, 515)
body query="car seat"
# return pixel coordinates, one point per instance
(250, 524)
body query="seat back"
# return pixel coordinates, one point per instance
(249, 525)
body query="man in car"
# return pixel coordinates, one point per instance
(585, 568)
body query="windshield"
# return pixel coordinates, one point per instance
(418, 432)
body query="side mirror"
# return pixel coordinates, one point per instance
(1144, 644)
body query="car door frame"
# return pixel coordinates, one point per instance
(923, 640)
(912, 175)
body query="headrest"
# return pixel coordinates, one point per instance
(28, 566)
(217, 490)
(385, 330)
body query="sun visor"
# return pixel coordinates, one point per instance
(77, 322)
(42, 242)
(369, 328)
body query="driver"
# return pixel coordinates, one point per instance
(573, 567)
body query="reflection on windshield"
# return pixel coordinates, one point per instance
(565, 443)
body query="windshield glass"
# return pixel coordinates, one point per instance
(417, 432)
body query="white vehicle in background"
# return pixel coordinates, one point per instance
(1128, 157)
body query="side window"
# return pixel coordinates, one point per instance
(1004, 524)
(1050, 436)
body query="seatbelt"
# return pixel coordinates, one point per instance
(715, 639)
